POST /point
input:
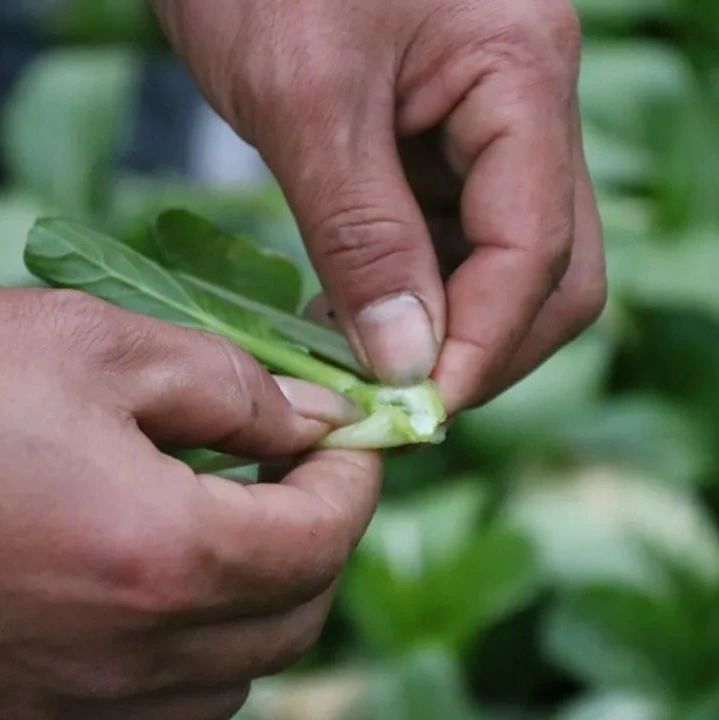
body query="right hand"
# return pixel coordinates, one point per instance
(412, 135)
(130, 587)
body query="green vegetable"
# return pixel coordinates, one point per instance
(191, 244)
(66, 254)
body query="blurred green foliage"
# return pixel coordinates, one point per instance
(558, 557)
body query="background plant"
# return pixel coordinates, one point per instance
(558, 557)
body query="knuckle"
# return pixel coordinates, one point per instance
(242, 377)
(152, 575)
(327, 81)
(362, 242)
(362, 245)
(332, 545)
(326, 89)
(546, 40)
(297, 640)
(307, 638)
(567, 32)
(555, 262)
(588, 301)
(97, 331)
(321, 555)
(80, 318)
(552, 256)
(325, 84)
(127, 345)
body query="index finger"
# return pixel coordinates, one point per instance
(511, 138)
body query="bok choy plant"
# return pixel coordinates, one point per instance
(200, 277)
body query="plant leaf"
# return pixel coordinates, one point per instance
(321, 341)
(425, 685)
(401, 585)
(594, 525)
(617, 706)
(662, 642)
(193, 245)
(67, 254)
(208, 461)
(96, 21)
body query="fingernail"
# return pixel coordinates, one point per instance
(318, 403)
(397, 339)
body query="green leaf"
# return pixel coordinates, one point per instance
(63, 123)
(208, 461)
(687, 150)
(617, 706)
(706, 707)
(662, 642)
(614, 161)
(673, 351)
(321, 341)
(621, 13)
(261, 214)
(69, 255)
(652, 74)
(425, 685)
(677, 271)
(610, 637)
(644, 432)
(529, 414)
(401, 587)
(595, 524)
(232, 314)
(100, 21)
(193, 245)
(557, 415)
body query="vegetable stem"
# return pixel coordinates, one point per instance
(66, 254)
(288, 360)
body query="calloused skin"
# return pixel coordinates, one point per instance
(131, 588)
(431, 151)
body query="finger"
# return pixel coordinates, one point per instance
(581, 295)
(212, 704)
(188, 388)
(341, 172)
(219, 653)
(512, 136)
(276, 546)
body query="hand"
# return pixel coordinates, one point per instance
(392, 124)
(131, 588)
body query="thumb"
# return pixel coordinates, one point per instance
(341, 172)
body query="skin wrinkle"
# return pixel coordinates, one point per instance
(361, 244)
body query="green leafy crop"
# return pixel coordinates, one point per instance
(191, 286)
